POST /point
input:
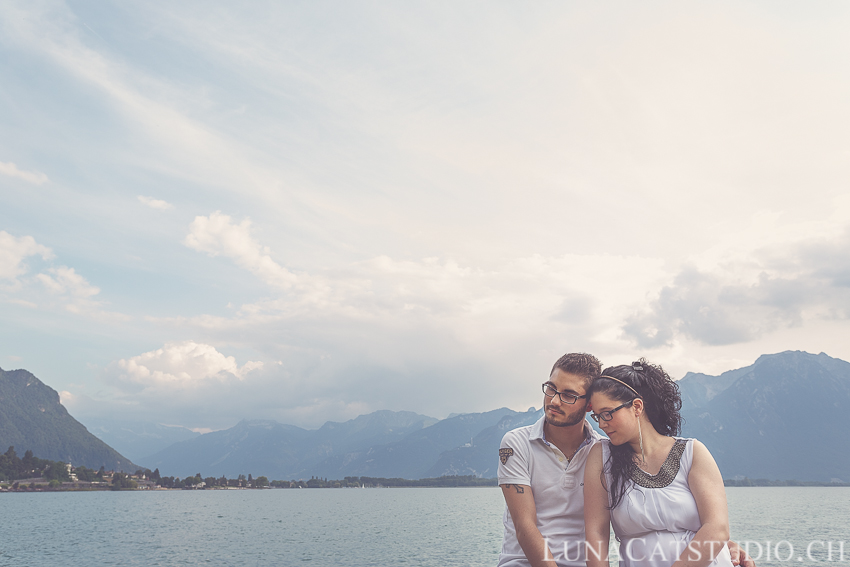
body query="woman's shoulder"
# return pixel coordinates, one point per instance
(596, 458)
(599, 451)
(694, 452)
(690, 443)
(599, 447)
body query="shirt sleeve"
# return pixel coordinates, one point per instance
(513, 460)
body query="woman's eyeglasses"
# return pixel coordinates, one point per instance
(608, 415)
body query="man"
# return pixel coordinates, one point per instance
(541, 473)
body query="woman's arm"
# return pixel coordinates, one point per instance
(597, 518)
(707, 487)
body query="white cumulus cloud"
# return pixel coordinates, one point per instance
(34, 177)
(180, 364)
(155, 203)
(218, 235)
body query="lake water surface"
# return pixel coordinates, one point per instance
(423, 527)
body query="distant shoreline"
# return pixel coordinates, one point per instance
(260, 483)
(748, 482)
(387, 483)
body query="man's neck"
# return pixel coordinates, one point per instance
(566, 438)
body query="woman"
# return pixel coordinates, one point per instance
(664, 495)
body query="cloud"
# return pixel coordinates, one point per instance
(13, 252)
(34, 177)
(428, 221)
(779, 286)
(155, 203)
(66, 281)
(430, 291)
(218, 235)
(152, 104)
(65, 288)
(703, 307)
(377, 328)
(180, 365)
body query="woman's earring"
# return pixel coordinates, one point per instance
(640, 436)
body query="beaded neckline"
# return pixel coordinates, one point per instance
(669, 469)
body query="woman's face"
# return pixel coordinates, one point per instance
(622, 426)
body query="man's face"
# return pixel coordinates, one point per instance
(557, 412)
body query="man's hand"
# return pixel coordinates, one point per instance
(739, 556)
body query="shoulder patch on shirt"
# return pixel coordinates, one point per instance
(504, 454)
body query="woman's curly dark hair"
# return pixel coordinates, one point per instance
(662, 404)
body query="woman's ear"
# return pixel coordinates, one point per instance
(637, 404)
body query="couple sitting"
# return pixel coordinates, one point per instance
(564, 484)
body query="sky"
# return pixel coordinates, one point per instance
(308, 211)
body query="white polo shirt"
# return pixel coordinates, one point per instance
(525, 457)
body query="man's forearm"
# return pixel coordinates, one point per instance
(520, 502)
(596, 547)
(534, 546)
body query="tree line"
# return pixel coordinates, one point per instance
(13, 468)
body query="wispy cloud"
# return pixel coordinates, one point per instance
(14, 251)
(155, 203)
(34, 177)
(54, 287)
(218, 235)
(63, 280)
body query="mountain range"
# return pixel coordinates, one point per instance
(137, 439)
(383, 443)
(756, 420)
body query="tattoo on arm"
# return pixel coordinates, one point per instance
(519, 489)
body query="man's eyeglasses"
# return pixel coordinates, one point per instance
(608, 415)
(565, 397)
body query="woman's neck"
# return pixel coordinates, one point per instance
(650, 446)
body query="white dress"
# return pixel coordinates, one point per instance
(658, 515)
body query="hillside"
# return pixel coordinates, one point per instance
(32, 418)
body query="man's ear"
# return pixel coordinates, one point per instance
(588, 408)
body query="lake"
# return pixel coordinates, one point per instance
(423, 527)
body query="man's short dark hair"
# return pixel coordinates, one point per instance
(581, 364)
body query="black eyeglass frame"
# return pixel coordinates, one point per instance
(609, 413)
(565, 397)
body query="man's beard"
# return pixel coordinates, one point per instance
(569, 419)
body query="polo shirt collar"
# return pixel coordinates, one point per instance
(537, 432)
